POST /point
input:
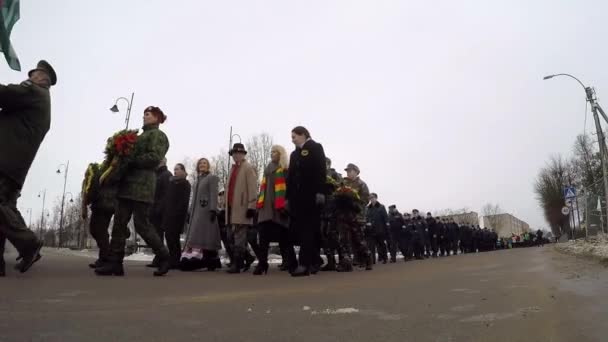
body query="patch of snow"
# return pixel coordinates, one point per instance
(139, 256)
(306, 308)
(594, 247)
(336, 311)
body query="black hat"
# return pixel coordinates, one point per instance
(47, 68)
(392, 206)
(237, 148)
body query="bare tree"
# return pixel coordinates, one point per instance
(221, 167)
(549, 187)
(491, 215)
(258, 152)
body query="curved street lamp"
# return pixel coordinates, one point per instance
(115, 109)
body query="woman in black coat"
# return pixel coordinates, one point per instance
(176, 211)
(305, 196)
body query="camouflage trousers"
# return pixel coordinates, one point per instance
(12, 225)
(329, 236)
(351, 238)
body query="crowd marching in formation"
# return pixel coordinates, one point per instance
(301, 201)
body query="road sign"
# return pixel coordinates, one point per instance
(569, 192)
(565, 211)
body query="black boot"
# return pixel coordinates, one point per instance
(331, 264)
(393, 260)
(249, 259)
(300, 271)
(261, 268)
(96, 264)
(110, 268)
(214, 264)
(30, 257)
(369, 266)
(154, 263)
(236, 266)
(164, 265)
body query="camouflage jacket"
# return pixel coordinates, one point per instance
(99, 197)
(363, 190)
(138, 183)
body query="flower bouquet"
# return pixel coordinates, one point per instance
(118, 147)
(347, 199)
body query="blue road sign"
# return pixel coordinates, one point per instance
(569, 192)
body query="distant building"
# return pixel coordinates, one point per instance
(505, 225)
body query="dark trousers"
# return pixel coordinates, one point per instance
(226, 241)
(98, 227)
(12, 225)
(140, 213)
(377, 245)
(434, 245)
(306, 229)
(444, 246)
(174, 245)
(273, 232)
(397, 243)
(418, 248)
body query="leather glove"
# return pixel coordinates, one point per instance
(212, 215)
(320, 200)
(250, 213)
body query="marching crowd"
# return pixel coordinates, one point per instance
(300, 201)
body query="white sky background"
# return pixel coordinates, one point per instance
(440, 103)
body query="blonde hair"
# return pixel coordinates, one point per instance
(283, 159)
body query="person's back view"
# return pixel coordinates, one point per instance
(25, 119)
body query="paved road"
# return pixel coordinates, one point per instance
(530, 294)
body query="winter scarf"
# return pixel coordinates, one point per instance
(279, 190)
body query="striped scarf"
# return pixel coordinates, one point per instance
(279, 190)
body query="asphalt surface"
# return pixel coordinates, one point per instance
(533, 294)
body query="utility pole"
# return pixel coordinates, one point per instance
(595, 108)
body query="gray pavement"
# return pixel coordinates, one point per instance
(533, 294)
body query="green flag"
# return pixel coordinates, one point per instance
(9, 14)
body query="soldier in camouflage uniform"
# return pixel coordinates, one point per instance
(350, 223)
(136, 195)
(102, 201)
(329, 231)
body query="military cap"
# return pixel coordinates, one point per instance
(353, 167)
(47, 68)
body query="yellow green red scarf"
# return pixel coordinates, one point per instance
(279, 190)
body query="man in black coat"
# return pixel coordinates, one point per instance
(305, 197)
(397, 226)
(432, 234)
(377, 229)
(25, 118)
(163, 180)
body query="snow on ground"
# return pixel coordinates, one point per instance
(594, 247)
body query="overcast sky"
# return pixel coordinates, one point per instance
(440, 103)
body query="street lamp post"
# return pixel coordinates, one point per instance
(115, 109)
(596, 109)
(66, 168)
(43, 195)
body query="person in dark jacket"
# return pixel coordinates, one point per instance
(407, 237)
(102, 201)
(305, 188)
(377, 227)
(136, 194)
(418, 231)
(25, 119)
(443, 236)
(163, 178)
(432, 235)
(397, 225)
(175, 212)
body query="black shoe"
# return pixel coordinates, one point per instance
(163, 268)
(301, 271)
(384, 261)
(284, 267)
(30, 257)
(249, 259)
(261, 268)
(393, 260)
(97, 263)
(214, 264)
(314, 269)
(345, 266)
(109, 269)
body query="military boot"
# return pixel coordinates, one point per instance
(236, 266)
(345, 266)
(164, 265)
(110, 268)
(331, 264)
(368, 266)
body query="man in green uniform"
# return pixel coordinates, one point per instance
(136, 195)
(25, 119)
(351, 223)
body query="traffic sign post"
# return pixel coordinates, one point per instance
(569, 193)
(570, 197)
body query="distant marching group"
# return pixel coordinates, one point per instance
(300, 201)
